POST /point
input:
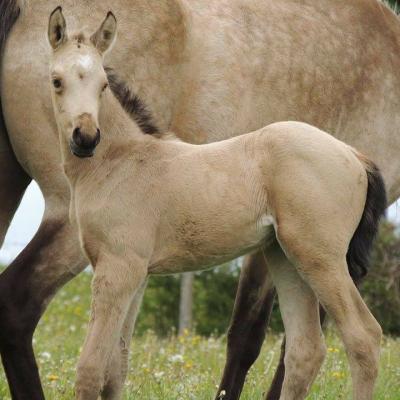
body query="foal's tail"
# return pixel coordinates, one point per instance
(375, 205)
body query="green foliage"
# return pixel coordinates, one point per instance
(214, 294)
(394, 4)
(381, 289)
(160, 308)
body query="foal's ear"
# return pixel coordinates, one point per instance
(105, 35)
(57, 30)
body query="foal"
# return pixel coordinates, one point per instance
(147, 205)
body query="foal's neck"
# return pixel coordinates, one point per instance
(118, 132)
(117, 125)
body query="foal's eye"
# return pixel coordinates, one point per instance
(104, 87)
(57, 83)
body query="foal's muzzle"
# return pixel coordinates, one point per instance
(83, 145)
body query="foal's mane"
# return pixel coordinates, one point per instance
(131, 103)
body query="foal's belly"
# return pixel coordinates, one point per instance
(203, 254)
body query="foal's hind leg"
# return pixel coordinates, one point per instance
(118, 366)
(253, 304)
(305, 347)
(115, 283)
(358, 328)
(328, 276)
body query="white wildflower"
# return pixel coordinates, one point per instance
(176, 358)
(46, 355)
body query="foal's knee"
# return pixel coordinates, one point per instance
(305, 357)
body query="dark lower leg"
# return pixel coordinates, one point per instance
(13, 182)
(250, 318)
(26, 287)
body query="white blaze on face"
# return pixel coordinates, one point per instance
(85, 62)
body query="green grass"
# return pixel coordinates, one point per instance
(188, 367)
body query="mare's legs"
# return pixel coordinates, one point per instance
(13, 182)
(118, 366)
(51, 259)
(305, 348)
(115, 283)
(27, 285)
(253, 305)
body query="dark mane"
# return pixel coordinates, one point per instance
(132, 103)
(9, 12)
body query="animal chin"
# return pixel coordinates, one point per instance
(79, 152)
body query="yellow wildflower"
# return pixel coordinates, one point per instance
(189, 365)
(333, 350)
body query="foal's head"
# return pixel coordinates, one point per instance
(78, 80)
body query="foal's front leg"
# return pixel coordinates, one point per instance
(117, 368)
(114, 284)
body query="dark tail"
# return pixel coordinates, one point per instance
(376, 203)
(9, 13)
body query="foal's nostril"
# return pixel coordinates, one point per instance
(97, 139)
(85, 141)
(77, 137)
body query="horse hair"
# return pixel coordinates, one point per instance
(9, 13)
(358, 254)
(131, 103)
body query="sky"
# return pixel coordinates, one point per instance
(29, 214)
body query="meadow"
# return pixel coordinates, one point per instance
(186, 367)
